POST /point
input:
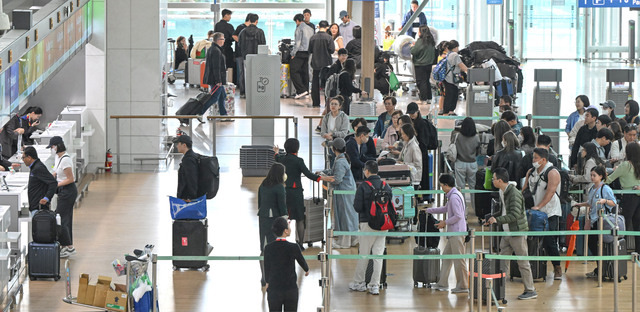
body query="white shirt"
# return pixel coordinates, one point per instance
(60, 164)
(552, 208)
(331, 124)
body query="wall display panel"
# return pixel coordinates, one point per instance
(13, 85)
(25, 77)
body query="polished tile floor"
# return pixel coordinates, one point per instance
(127, 211)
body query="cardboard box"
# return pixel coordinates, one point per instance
(82, 289)
(117, 300)
(103, 285)
(91, 293)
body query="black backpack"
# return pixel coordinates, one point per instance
(44, 227)
(432, 135)
(382, 213)
(565, 184)
(208, 176)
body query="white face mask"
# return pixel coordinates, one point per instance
(536, 165)
(285, 177)
(53, 150)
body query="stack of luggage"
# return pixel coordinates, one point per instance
(44, 250)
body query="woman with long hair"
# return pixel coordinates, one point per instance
(468, 147)
(423, 55)
(443, 50)
(345, 84)
(411, 154)
(588, 160)
(628, 172)
(631, 111)
(527, 139)
(615, 127)
(338, 42)
(181, 52)
(498, 130)
(509, 157)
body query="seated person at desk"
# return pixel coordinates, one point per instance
(19, 125)
(357, 152)
(42, 185)
(371, 145)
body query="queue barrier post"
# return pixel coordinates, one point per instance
(472, 235)
(478, 270)
(489, 285)
(154, 283)
(634, 269)
(600, 242)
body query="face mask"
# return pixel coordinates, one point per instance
(504, 144)
(285, 177)
(520, 139)
(536, 165)
(53, 150)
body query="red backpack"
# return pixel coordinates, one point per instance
(382, 213)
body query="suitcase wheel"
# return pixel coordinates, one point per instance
(511, 279)
(32, 278)
(206, 268)
(625, 277)
(415, 284)
(175, 268)
(504, 301)
(56, 278)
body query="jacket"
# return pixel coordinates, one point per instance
(303, 34)
(510, 161)
(271, 201)
(423, 53)
(9, 138)
(371, 146)
(354, 48)
(515, 216)
(420, 124)
(345, 86)
(412, 156)
(364, 194)
(584, 135)
(341, 126)
(295, 168)
(357, 158)
(227, 29)
(202, 44)
(250, 38)
(238, 49)
(421, 20)
(215, 71)
(41, 184)
(321, 46)
(188, 176)
(455, 210)
(390, 137)
(382, 124)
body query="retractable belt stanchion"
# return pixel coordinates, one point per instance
(600, 242)
(479, 257)
(472, 235)
(634, 269)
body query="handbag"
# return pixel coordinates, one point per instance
(488, 177)
(394, 84)
(452, 154)
(193, 210)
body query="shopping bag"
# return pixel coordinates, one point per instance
(488, 177)
(394, 84)
(194, 210)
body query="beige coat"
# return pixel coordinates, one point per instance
(411, 155)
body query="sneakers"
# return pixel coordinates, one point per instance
(528, 295)
(318, 129)
(440, 288)
(65, 252)
(592, 274)
(301, 95)
(460, 291)
(557, 272)
(374, 290)
(362, 287)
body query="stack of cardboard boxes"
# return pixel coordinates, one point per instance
(102, 294)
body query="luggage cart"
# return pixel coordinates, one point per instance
(617, 91)
(70, 299)
(480, 97)
(546, 101)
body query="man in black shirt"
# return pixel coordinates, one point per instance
(224, 27)
(585, 134)
(188, 172)
(250, 38)
(321, 47)
(307, 19)
(42, 185)
(239, 76)
(279, 269)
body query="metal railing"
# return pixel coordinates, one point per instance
(190, 128)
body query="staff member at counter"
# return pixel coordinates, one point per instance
(42, 184)
(23, 125)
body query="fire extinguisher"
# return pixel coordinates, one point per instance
(109, 162)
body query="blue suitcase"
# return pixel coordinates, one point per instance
(504, 87)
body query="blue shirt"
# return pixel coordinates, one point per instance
(595, 194)
(422, 20)
(571, 121)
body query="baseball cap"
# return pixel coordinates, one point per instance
(338, 143)
(412, 108)
(183, 139)
(54, 141)
(343, 13)
(608, 104)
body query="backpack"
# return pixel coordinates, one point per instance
(432, 135)
(44, 227)
(565, 184)
(208, 176)
(382, 213)
(440, 72)
(331, 87)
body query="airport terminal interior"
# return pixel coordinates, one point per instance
(104, 74)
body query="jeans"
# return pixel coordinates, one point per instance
(422, 81)
(240, 73)
(369, 245)
(299, 67)
(450, 97)
(219, 96)
(315, 88)
(518, 245)
(551, 242)
(66, 199)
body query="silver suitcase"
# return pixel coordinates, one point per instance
(314, 217)
(362, 108)
(193, 67)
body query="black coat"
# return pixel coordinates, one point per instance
(362, 201)
(250, 38)
(227, 29)
(508, 160)
(215, 70)
(321, 46)
(41, 184)
(188, 176)
(584, 135)
(358, 159)
(238, 50)
(295, 168)
(9, 138)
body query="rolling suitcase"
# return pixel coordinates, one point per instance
(362, 108)
(44, 260)
(491, 269)
(193, 69)
(427, 223)
(395, 175)
(190, 238)
(314, 217)
(383, 273)
(538, 268)
(44, 227)
(608, 265)
(425, 271)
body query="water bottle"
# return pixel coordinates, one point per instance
(19, 144)
(58, 221)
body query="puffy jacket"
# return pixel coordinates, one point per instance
(515, 217)
(250, 38)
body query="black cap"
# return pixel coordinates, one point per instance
(412, 108)
(183, 139)
(54, 141)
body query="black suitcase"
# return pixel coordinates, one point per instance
(427, 223)
(425, 271)
(538, 268)
(44, 227)
(44, 260)
(491, 269)
(193, 106)
(608, 265)
(190, 238)
(383, 273)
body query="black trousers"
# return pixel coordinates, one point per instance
(346, 106)
(631, 213)
(299, 67)
(66, 199)
(422, 81)
(240, 73)
(282, 298)
(266, 234)
(593, 242)
(315, 88)
(450, 97)
(551, 242)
